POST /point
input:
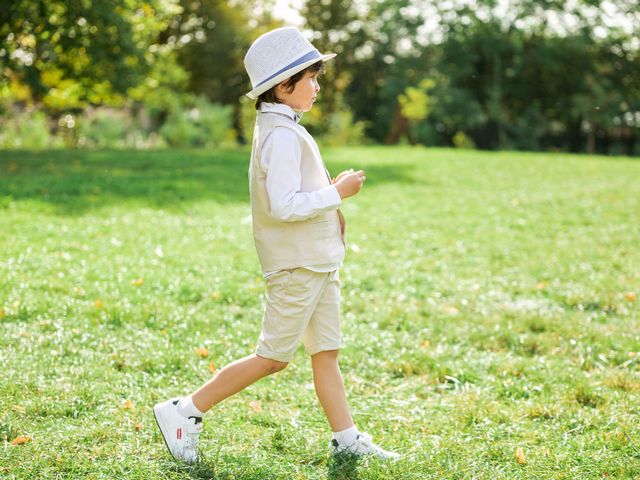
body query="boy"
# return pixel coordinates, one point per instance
(299, 236)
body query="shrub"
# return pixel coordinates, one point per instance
(103, 128)
(202, 124)
(343, 130)
(28, 129)
(247, 118)
(461, 140)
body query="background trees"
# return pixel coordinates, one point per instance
(537, 74)
(72, 54)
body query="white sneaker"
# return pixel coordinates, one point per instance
(179, 433)
(363, 445)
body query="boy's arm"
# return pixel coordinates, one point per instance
(281, 157)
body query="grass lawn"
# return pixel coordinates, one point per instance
(490, 316)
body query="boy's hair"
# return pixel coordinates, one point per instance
(270, 95)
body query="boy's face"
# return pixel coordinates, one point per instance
(304, 93)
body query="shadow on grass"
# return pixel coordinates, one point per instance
(343, 467)
(229, 468)
(340, 467)
(77, 181)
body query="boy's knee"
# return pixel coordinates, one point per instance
(326, 354)
(274, 366)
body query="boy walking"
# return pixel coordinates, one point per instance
(299, 237)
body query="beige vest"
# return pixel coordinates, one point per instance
(284, 245)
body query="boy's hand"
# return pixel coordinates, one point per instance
(348, 183)
(342, 174)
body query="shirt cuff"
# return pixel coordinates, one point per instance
(330, 197)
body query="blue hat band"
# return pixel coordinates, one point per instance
(305, 58)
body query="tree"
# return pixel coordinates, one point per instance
(543, 74)
(78, 52)
(335, 26)
(415, 105)
(211, 38)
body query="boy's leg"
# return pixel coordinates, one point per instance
(330, 390)
(180, 421)
(322, 339)
(284, 320)
(329, 385)
(233, 378)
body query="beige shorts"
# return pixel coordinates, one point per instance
(301, 305)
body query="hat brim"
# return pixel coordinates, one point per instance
(256, 92)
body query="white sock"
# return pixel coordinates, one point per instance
(187, 409)
(347, 436)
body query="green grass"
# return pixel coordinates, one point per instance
(487, 306)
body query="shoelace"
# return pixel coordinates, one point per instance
(364, 444)
(367, 441)
(362, 439)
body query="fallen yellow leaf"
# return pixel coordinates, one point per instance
(138, 426)
(20, 440)
(425, 344)
(542, 285)
(202, 351)
(520, 456)
(1, 312)
(127, 405)
(212, 367)
(137, 282)
(630, 296)
(98, 303)
(255, 406)
(450, 310)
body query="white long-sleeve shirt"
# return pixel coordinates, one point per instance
(280, 159)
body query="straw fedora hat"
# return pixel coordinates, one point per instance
(276, 56)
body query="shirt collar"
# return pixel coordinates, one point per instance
(282, 109)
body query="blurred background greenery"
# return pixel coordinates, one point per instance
(492, 74)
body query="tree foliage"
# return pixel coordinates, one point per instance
(68, 54)
(211, 38)
(526, 74)
(538, 74)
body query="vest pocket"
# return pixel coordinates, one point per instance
(322, 229)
